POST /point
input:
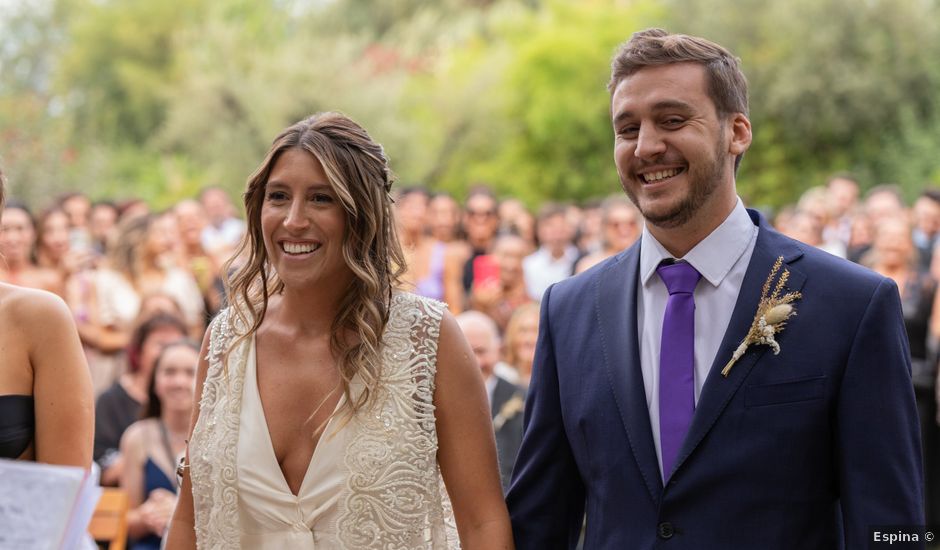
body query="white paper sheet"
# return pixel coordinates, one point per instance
(45, 507)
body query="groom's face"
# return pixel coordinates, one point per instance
(672, 149)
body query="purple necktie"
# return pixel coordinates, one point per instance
(676, 360)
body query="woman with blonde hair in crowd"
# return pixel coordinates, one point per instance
(519, 342)
(151, 446)
(335, 407)
(17, 251)
(107, 300)
(144, 260)
(46, 402)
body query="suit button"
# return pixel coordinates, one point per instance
(665, 530)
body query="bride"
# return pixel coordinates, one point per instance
(336, 411)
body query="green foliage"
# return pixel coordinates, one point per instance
(119, 62)
(155, 99)
(523, 105)
(830, 84)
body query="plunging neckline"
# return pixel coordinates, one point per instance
(271, 455)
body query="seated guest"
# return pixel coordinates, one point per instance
(119, 406)
(151, 446)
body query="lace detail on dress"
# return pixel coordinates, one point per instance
(395, 497)
(214, 443)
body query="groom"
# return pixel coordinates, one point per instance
(661, 408)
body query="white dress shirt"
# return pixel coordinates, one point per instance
(722, 259)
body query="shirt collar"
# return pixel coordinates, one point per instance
(490, 386)
(713, 257)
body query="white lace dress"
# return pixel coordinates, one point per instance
(371, 483)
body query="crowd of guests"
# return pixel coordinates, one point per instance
(143, 285)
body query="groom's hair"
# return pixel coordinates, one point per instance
(727, 86)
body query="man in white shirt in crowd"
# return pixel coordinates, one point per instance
(556, 256)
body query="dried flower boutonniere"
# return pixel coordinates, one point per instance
(509, 409)
(773, 310)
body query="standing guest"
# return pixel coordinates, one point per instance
(895, 256)
(843, 191)
(434, 266)
(102, 225)
(224, 231)
(555, 258)
(53, 249)
(424, 255)
(884, 202)
(103, 331)
(333, 406)
(506, 399)
(151, 446)
(46, 403)
(515, 218)
(77, 206)
(144, 261)
(444, 225)
(926, 215)
(660, 406)
(861, 237)
(589, 233)
(480, 222)
(521, 337)
(814, 202)
(205, 268)
(500, 296)
(119, 406)
(17, 241)
(129, 209)
(444, 218)
(807, 228)
(620, 228)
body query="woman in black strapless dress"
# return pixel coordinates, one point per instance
(46, 402)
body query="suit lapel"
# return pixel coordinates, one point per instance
(615, 304)
(718, 390)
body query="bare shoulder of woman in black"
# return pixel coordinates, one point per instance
(46, 402)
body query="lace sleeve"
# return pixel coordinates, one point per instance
(214, 443)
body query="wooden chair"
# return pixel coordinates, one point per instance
(109, 523)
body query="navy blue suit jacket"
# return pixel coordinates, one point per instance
(802, 450)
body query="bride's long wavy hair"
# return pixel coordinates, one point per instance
(358, 171)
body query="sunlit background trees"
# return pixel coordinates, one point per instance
(124, 98)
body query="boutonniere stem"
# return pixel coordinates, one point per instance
(773, 310)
